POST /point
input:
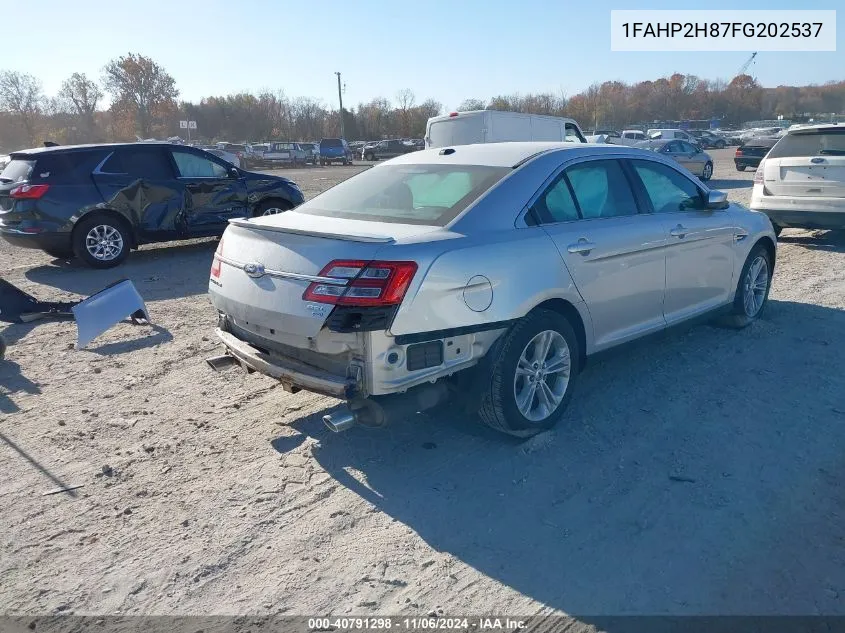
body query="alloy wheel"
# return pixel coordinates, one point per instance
(542, 375)
(755, 285)
(104, 242)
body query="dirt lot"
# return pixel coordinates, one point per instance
(697, 473)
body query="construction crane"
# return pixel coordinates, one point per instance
(745, 66)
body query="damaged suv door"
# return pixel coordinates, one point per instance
(214, 191)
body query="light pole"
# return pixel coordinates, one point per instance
(340, 99)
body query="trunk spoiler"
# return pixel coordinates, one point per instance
(361, 237)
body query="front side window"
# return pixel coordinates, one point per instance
(194, 166)
(601, 189)
(573, 135)
(406, 194)
(668, 190)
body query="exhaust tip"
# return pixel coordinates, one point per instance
(339, 423)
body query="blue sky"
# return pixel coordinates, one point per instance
(448, 50)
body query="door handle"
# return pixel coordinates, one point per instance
(679, 232)
(582, 247)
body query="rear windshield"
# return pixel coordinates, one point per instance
(810, 143)
(237, 148)
(331, 142)
(17, 171)
(406, 194)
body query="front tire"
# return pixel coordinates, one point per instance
(707, 172)
(752, 290)
(532, 370)
(102, 241)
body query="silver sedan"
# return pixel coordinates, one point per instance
(690, 156)
(488, 273)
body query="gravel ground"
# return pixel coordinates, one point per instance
(695, 473)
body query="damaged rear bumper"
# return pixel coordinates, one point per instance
(293, 374)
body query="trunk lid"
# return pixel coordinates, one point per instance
(291, 249)
(811, 176)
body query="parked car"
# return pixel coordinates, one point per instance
(690, 156)
(98, 201)
(232, 159)
(233, 148)
(356, 147)
(669, 134)
(335, 150)
(495, 126)
(284, 155)
(4, 160)
(254, 155)
(750, 154)
(708, 140)
(628, 137)
(493, 272)
(386, 149)
(312, 152)
(801, 181)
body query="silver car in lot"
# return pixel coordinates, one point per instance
(489, 272)
(690, 156)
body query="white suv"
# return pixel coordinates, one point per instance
(801, 181)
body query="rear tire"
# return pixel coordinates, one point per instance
(741, 167)
(102, 241)
(707, 172)
(2, 348)
(755, 279)
(523, 394)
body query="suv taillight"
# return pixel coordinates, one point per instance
(374, 283)
(738, 151)
(758, 175)
(28, 192)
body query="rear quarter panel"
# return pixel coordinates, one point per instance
(512, 270)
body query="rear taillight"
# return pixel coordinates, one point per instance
(367, 283)
(28, 192)
(758, 175)
(738, 152)
(217, 262)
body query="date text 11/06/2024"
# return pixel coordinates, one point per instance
(417, 623)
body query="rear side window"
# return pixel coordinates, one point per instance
(66, 167)
(810, 143)
(191, 165)
(668, 190)
(601, 189)
(142, 162)
(17, 170)
(556, 204)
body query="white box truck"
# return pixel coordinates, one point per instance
(496, 126)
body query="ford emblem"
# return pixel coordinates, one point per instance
(817, 160)
(254, 270)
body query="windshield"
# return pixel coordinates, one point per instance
(810, 143)
(406, 194)
(17, 171)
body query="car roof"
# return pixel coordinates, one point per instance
(508, 154)
(70, 148)
(816, 126)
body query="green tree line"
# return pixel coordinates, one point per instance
(144, 102)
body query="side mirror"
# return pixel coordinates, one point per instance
(234, 172)
(717, 200)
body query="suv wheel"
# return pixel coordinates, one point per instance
(271, 207)
(532, 372)
(707, 172)
(101, 241)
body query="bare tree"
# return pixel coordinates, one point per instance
(405, 100)
(21, 95)
(84, 94)
(471, 104)
(140, 83)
